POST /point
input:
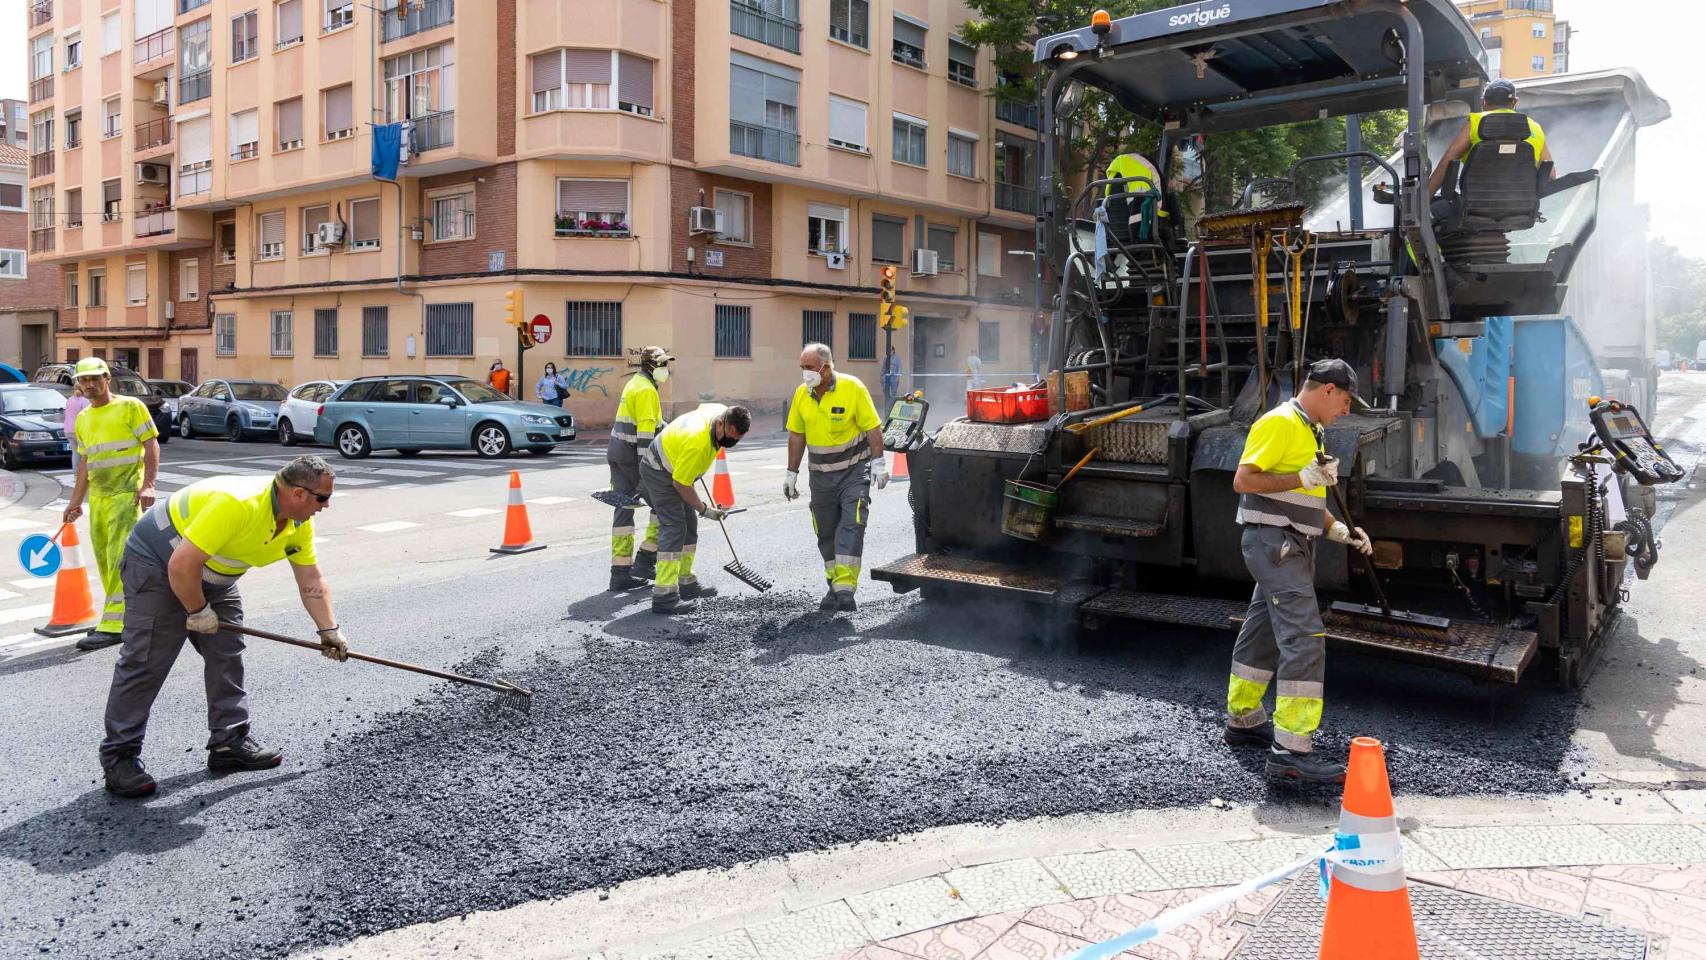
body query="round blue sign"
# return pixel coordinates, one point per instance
(39, 555)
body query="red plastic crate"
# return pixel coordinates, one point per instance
(1007, 404)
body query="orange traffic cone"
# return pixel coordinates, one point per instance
(518, 533)
(899, 472)
(1368, 900)
(722, 488)
(73, 605)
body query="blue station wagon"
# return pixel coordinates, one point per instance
(411, 413)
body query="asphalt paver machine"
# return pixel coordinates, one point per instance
(1173, 346)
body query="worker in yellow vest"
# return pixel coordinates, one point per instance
(678, 456)
(118, 457)
(639, 414)
(1132, 203)
(1499, 97)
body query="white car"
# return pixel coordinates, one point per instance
(300, 411)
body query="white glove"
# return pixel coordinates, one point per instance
(1320, 474)
(880, 473)
(203, 620)
(791, 485)
(333, 646)
(712, 512)
(1353, 537)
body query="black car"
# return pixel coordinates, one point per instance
(126, 383)
(32, 424)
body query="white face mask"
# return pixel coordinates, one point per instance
(812, 378)
(660, 374)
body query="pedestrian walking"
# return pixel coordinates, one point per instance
(74, 404)
(638, 415)
(891, 378)
(498, 378)
(181, 567)
(118, 457)
(1282, 482)
(551, 388)
(678, 456)
(833, 420)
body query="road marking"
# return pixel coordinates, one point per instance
(13, 523)
(26, 613)
(58, 505)
(18, 638)
(174, 477)
(772, 466)
(225, 469)
(33, 583)
(19, 645)
(548, 501)
(399, 472)
(389, 526)
(356, 481)
(7, 594)
(399, 486)
(472, 512)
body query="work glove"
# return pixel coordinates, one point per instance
(879, 473)
(711, 512)
(1352, 537)
(1321, 473)
(203, 620)
(791, 485)
(333, 646)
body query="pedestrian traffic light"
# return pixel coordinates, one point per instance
(515, 310)
(888, 284)
(524, 336)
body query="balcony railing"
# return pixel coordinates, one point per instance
(158, 44)
(1538, 6)
(185, 6)
(434, 13)
(764, 143)
(1011, 196)
(73, 141)
(195, 86)
(41, 89)
(1493, 43)
(156, 223)
(435, 130)
(154, 133)
(194, 178)
(755, 23)
(41, 164)
(41, 12)
(41, 240)
(1020, 112)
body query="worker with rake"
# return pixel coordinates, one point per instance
(677, 457)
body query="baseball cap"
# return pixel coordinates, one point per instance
(90, 367)
(1334, 371)
(654, 356)
(1499, 91)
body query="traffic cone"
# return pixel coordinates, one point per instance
(722, 488)
(73, 605)
(1368, 900)
(899, 472)
(518, 533)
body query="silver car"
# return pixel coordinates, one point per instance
(235, 409)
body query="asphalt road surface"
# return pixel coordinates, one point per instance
(758, 726)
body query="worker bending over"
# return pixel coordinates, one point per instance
(118, 457)
(1282, 482)
(678, 456)
(181, 566)
(638, 414)
(832, 419)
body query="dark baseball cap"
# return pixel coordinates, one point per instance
(1499, 92)
(1336, 372)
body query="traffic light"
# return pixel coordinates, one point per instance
(897, 317)
(888, 284)
(515, 310)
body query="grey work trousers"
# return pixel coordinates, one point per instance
(1282, 639)
(154, 634)
(624, 460)
(841, 507)
(678, 532)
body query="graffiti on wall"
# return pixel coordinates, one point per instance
(586, 379)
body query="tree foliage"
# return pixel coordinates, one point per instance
(1679, 298)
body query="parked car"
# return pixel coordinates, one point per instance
(300, 412)
(126, 382)
(232, 408)
(32, 424)
(415, 412)
(171, 390)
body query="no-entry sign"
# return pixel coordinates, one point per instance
(541, 327)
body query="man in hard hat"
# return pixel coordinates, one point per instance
(1499, 97)
(117, 460)
(638, 415)
(832, 419)
(678, 456)
(181, 566)
(1282, 482)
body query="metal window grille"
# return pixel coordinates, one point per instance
(326, 333)
(225, 335)
(861, 336)
(817, 326)
(733, 331)
(988, 341)
(450, 330)
(594, 328)
(282, 321)
(375, 332)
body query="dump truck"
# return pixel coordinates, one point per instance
(1165, 348)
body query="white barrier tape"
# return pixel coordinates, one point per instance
(1371, 858)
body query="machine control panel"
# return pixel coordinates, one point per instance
(1624, 433)
(904, 428)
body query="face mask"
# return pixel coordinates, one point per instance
(660, 375)
(812, 378)
(550, 371)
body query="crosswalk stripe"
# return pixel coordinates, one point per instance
(389, 526)
(174, 477)
(18, 638)
(24, 643)
(548, 501)
(472, 512)
(7, 595)
(33, 583)
(30, 612)
(399, 472)
(14, 523)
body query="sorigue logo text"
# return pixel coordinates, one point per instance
(1200, 17)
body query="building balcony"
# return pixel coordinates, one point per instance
(195, 86)
(1493, 43)
(41, 164)
(567, 225)
(41, 89)
(153, 134)
(41, 240)
(1020, 112)
(185, 6)
(435, 130)
(756, 23)
(427, 16)
(764, 143)
(41, 12)
(1011, 196)
(155, 54)
(195, 178)
(156, 223)
(1538, 6)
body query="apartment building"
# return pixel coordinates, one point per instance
(725, 178)
(29, 292)
(14, 122)
(1523, 38)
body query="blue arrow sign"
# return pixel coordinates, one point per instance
(39, 555)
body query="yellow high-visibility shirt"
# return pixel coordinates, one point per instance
(685, 448)
(638, 412)
(1282, 441)
(835, 424)
(110, 440)
(1536, 134)
(231, 519)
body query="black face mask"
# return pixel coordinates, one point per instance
(727, 442)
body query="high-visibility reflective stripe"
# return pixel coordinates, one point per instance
(1303, 689)
(837, 458)
(1371, 861)
(1244, 697)
(1252, 674)
(1307, 519)
(99, 448)
(514, 496)
(1357, 823)
(210, 575)
(1248, 721)
(145, 428)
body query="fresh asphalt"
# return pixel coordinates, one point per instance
(757, 726)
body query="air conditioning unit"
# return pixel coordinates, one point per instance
(163, 93)
(836, 261)
(704, 220)
(924, 263)
(329, 234)
(157, 173)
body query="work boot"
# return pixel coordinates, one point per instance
(845, 603)
(828, 602)
(1286, 765)
(127, 778)
(1261, 735)
(243, 754)
(696, 590)
(96, 640)
(622, 578)
(671, 605)
(645, 565)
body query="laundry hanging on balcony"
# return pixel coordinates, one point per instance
(387, 150)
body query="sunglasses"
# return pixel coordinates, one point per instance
(324, 498)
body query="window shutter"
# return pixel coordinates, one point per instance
(547, 71)
(746, 95)
(135, 283)
(245, 127)
(586, 66)
(888, 240)
(340, 112)
(962, 53)
(195, 140)
(824, 211)
(109, 33)
(289, 21)
(597, 196)
(846, 121)
(364, 220)
(634, 83)
(272, 228)
(909, 33)
(290, 120)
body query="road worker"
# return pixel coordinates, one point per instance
(1136, 201)
(181, 566)
(1282, 482)
(117, 460)
(638, 415)
(678, 456)
(832, 418)
(1499, 97)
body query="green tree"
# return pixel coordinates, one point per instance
(1679, 297)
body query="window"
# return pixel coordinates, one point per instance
(337, 113)
(1486, 33)
(326, 332)
(12, 196)
(112, 201)
(817, 326)
(909, 139)
(244, 39)
(287, 121)
(12, 264)
(136, 284)
(909, 41)
(339, 14)
(41, 208)
(73, 129)
(1537, 30)
(988, 341)
(861, 336)
(227, 233)
(364, 224)
(775, 22)
(850, 22)
(1538, 63)
(450, 330)
(962, 154)
(764, 108)
(580, 79)
(594, 328)
(733, 332)
(111, 37)
(288, 17)
(312, 217)
(195, 156)
(271, 236)
(375, 331)
(245, 126)
(73, 208)
(736, 209)
(41, 132)
(112, 121)
(592, 207)
(225, 335)
(847, 123)
(71, 281)
(989, 254)
(942, 240)
(826, 229)
(97, 287)
(420, 84)
(41, 56)
(453, 215)
(73, 50)
(195, 61)
(281, 324)
(962, 62)
(888, 239)
(189, 279)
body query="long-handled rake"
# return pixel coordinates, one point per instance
(734, 567)
(1417, 626)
